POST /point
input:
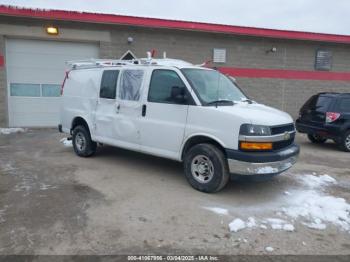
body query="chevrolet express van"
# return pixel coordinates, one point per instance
(173, 109)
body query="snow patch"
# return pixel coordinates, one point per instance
(313, 206)
(217, 210)
(8, 131)
(66, 142)
(280, 224)
(314, 181)
(237, 225)
(266, 170)
(263, 226)
(251, 222)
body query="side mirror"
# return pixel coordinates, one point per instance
(178, 94)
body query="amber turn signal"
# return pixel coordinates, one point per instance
(256, 146)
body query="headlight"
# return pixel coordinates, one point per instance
(254, 130)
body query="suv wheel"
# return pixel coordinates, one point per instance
(206, 168)
(345, 142)
(82, 143)
(316, 139)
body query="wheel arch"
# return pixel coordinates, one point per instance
(199, 139)
(77, 121)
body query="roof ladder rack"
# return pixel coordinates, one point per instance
(88, 63)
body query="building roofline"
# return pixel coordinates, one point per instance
(169, 24)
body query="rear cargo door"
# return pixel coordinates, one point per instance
(314, 111)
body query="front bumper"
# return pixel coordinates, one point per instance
(262, 163)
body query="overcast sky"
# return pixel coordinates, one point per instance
(324, 16)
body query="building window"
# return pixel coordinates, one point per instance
(219, 55)
(29, 90)
(128, 55)
(35, 90)
(323, 60)
(50, 90)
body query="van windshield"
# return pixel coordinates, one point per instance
(211, 86)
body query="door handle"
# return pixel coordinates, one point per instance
(144, 110)
(117, 108)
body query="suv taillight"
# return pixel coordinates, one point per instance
(331, 117)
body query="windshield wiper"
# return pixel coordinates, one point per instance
(221, 101)
(249, 101)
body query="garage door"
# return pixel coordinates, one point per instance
(35, 71)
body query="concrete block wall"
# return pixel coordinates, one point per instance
(288, 95)
(243, 52)
(197, 47)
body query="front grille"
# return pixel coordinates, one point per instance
(275, 130)
(284, 143)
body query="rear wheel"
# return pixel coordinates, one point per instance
(345, 142)
(316, 139)
(82, 143)
(206, 168)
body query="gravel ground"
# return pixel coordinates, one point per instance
(121, 202)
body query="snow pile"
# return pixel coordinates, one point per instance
(317, 208)
(8, 131)
(280, 224)
(316, 182)
(66, 142)
(311, 205)
(237, 225)
(273, 223)
(217, 210)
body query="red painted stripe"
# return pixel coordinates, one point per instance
(2, 61)
(172, 24)
(285, 74)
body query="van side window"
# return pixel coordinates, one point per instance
(162, 82)
(109, 84)
(130, 85)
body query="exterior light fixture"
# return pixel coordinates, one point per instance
(272, 50)
(130, 40)
(52, 30)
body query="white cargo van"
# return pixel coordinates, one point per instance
(173, 109)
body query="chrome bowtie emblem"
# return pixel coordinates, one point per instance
(286, 136)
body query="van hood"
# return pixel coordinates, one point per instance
(258, 114)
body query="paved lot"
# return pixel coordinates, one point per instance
(121, 202)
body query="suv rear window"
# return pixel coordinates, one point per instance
(344, 105)
(318, 103)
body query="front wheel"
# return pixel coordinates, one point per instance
(82, 143)
(206, 168)
(316, 139)
(345, 142)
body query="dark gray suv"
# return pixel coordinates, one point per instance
(326, 116)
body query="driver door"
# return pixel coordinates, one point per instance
(163, 121)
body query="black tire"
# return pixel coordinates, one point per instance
(219, 172)
(84, 148)
(316, 139)
(344, 142)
